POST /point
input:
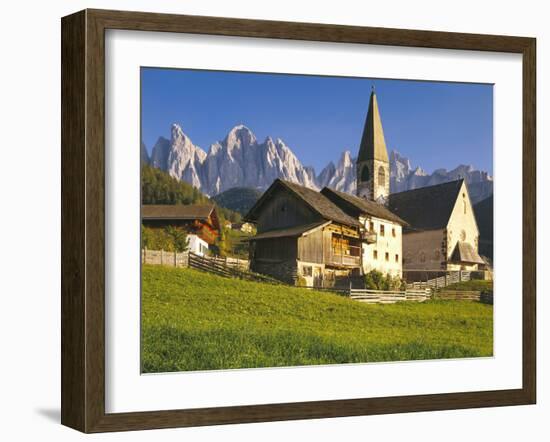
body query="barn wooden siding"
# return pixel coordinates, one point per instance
(310, 247)
(286, 210)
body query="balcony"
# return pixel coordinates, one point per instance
(369, 236)
(344, 260)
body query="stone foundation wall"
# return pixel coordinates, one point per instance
(285, 271)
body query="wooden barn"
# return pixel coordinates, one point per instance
(199, 219)
(303, 237)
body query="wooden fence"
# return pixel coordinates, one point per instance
(181, 259)
(236, 263)
(162, 257)
(389, 297)
(458, 295)
(435, 279)
(221, 268)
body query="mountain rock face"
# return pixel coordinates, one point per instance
(341, 177)
(404, 177)
(239, 160)
(144, 154)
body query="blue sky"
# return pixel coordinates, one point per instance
(434, 124)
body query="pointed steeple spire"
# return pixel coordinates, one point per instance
(373, 144)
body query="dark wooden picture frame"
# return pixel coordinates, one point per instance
(83, 220)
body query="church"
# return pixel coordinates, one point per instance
(441, 232)
(316, 238)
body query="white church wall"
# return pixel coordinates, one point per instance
(462, 226)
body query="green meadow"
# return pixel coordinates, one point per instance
(197, 321)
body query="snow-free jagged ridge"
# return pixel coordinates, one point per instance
(239, 160)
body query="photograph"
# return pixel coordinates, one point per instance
(301, 220)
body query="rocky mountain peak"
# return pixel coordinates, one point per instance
(240, 161)
(346, 160)
(240, 136)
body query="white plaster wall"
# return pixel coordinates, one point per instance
(384, 244)
(460, 224)
(196, 244)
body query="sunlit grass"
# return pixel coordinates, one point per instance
(197, 321)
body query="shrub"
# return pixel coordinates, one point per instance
(376, 280)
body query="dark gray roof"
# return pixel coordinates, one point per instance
(315, 200)
(355, 206)
(289, 232)
(464, 252)
(426, 208)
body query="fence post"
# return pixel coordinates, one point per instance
(175, 258)
(161, 256)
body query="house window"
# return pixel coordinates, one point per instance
(381, 176)
(464, 205)
(393, 232)
(396, 257)
(382, 231)
(387, 256)
(306, 271)
(422, 256)
(375, 254)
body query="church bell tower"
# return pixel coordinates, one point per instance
(373, 166)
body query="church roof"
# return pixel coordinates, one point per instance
(426, 208)
(464, 252)
(355, 206)
(373, 144)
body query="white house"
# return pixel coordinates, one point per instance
(197, 245)
(381, 232)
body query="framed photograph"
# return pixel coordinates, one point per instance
(268, 221)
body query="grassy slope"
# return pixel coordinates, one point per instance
(474, 284)
(197, 321)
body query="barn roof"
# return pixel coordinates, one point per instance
(355, 205)
(464, 252)
(290, 232)
(426, 208)
(179, 212)
(315, 200)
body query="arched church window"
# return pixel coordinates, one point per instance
(365, 174)
(381, 176)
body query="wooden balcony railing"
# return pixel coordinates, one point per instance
(344, 260)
